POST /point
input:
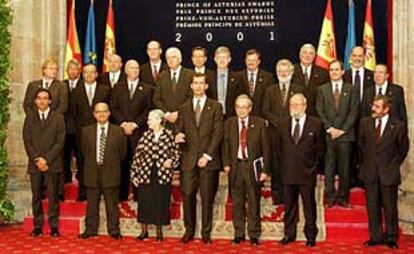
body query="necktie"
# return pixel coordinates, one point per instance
(251, 84)
(90, 95)
(131, 90)
(113, 81)
(102, 144)
(46, 85)
(379, 91)
(43, 118)
(174, 82)
(378, 131)
(357, 84)
(336, 96)
(283, 94)
(198, 113)
(221, 95)
(296, 132)
(154, 73)
(306, 76)
(71, 85)
(243, 140)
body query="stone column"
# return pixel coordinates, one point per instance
(403, 60)
(38, 32)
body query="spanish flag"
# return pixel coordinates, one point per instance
(110, 48)
(368, 38)
(72, 50)
(326, 48)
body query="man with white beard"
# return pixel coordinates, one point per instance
(300, 142)
(275, 108)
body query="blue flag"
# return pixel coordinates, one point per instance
(350, 37)
(90, 43)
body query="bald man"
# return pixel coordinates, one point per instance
(131, 101)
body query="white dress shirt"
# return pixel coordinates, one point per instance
(383, 88)
(301, 124)
(384, 121)
(45, 113)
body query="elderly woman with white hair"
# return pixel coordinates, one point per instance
(156, 155)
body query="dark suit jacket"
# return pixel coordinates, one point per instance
(206, 139)
(298, 163)
(347, 114)
(263, 80)
(164, 98)
(145, 73)
(104, 79)
(382, 160)
(234, 89)
(136, 110)
(257, 144)
(59, 96)
(396, 93)
(368, 78)
(69, 121)
(318, 77)
(44, 140)
(273, 110)
(81, 110)
(115, 152)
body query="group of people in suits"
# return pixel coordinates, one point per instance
(140, 125)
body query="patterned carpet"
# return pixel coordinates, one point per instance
(14, 240)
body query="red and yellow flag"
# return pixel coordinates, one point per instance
(72, 50)
(368, 38)
(326, 48)
(109, 38)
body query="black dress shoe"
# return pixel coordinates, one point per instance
(86, 235)
(237, 240)
(62, 197)
(54, 232)
(392, 245)
(159, 235)
(187, 238)
(254, 241)
(207, 240)
(310, 243)
(330, 204)
(142, 236)
(116, 236)
(371, 242)
(36, 232)
(286, 240)
(345, 204)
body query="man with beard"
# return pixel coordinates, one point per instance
(383, 143)
(300, 141)
(275, 108)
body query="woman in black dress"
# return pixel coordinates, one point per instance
(156, 155)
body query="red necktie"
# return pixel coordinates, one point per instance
(243, 139)
(378, 131)
(155, 73)
(336, 96)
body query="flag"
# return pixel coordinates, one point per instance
(326, 48)
(350, 37)
(90, 43)
(109, 38)
(368, 38)
(72, 50)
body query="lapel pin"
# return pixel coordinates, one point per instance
(232, 79)
(140, 88)
(260, 80)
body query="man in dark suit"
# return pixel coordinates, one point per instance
(114, 75)
(103, 147)
(309, 76)
(199, 59)
(224, 85)
(383, 143)
(337, 106)
(44, 136)
(275, 108)
(383, 87)
(246, 160)
(255, 80)
(57, 89)
(361, 79)
(173, 86)
(200, 129)
(131, 102)
(301, 143)
(87, 93)
(150, 72)
(73, 72)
